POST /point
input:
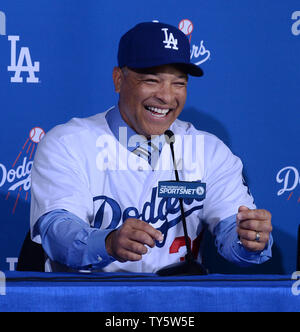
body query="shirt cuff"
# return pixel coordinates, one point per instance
(70, 241)
(230, 247)
(97, 249)
(252, 257)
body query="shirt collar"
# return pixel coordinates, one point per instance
(115, 122)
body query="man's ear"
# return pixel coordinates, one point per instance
(117, 78)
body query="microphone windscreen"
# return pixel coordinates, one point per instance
(169, 136)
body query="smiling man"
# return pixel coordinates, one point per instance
(151, 99)
(112, 219)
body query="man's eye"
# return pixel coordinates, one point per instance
(151, 80)
(181, 83)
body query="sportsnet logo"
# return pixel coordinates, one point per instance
(182, 189)
(289, 178)
(199, 53)
(18, 177)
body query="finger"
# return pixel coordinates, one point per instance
(142, 237)
(243, 208)
(258, 214)
(256, 225)
(129, 250)
(126, 255)
(119, 246)
(135, 247)
(251, 235)
(253, 245)
(239, 214)
(143, 226)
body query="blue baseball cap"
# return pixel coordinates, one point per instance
(153, 44)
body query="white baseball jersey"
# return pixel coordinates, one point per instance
(81, 167)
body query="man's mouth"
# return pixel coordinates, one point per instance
(158, 112)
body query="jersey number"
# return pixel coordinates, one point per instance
(180, 242)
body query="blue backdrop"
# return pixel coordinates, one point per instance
(56, 61)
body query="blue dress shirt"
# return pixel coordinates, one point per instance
(70, 241)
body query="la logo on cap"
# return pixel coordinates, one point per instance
(170, 40)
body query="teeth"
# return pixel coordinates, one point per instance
(158, 115)
(158, 110)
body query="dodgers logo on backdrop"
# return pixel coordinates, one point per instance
(2, 24)
(18, 177)
(289, 179)
(170, 41)
(199, 53)
(296, 25)
(24, 63)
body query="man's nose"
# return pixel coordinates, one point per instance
(165, 94)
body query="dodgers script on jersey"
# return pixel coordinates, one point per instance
(83, 168)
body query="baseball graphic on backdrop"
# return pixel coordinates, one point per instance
(186, 26)
(36, 134)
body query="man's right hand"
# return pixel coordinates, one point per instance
(128, 243)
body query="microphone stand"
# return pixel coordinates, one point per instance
(190, 266)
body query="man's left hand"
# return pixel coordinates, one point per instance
(254, 228)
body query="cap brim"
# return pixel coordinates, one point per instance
(188, 68)
(191, 69)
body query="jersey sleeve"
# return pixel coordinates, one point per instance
(58, 181)
(71, 242)
(226, 187)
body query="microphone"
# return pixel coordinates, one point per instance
(169, 136)
(170, 139)
(190, 266)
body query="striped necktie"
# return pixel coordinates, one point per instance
(149, 152)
